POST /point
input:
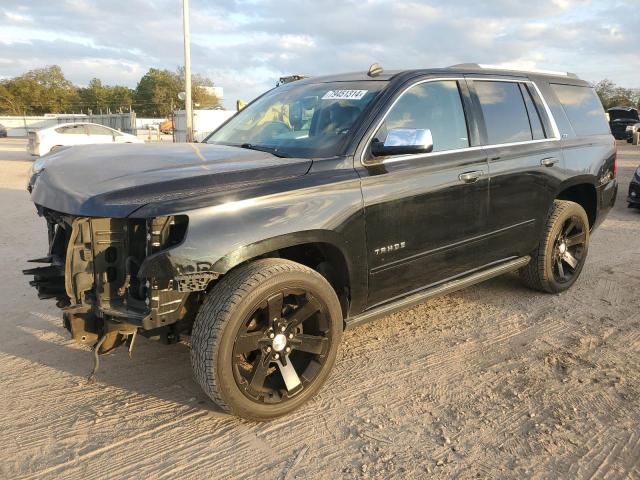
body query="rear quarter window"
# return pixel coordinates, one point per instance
(583, 109)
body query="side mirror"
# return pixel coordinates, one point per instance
(404, 141)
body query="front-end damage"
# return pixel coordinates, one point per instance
(95, 270)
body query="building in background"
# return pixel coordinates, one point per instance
(204, 122)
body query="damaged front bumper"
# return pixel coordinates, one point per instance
(95, 270)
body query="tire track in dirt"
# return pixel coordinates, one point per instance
(495, 381)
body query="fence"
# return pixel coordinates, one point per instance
(19, 126)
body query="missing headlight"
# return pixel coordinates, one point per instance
(165, 232)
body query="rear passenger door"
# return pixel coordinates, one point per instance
(524, 154)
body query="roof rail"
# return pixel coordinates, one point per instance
(478, 66)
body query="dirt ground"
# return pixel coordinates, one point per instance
(495, 381)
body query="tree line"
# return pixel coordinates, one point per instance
(46, 90)
(611, 95)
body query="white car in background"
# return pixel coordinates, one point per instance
(67, 134)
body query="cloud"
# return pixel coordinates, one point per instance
(245, 45)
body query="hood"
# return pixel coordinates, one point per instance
(115, 180)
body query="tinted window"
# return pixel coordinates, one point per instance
(433, 105)
(504, 112)
(583, 108)
(72, 130)
(537, 130)
(98, 130)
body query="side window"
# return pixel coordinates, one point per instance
(583, 108)
(505, 114)
(537, 130)
(98, 130)
(436, 106)
(72, 130)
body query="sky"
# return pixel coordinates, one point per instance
(244, 46)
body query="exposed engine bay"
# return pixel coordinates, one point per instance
(95, 273)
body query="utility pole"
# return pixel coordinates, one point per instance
(187, 72)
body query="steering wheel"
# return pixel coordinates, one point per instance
(272, 128)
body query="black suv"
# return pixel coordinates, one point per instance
(324, 204)
(620, 118)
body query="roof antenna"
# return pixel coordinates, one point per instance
(374, 70)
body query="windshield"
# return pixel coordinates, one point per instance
(300, 120)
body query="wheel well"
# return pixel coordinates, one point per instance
(585, 195)
(325, 259)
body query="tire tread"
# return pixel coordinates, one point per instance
(215, 311)
(534, 274)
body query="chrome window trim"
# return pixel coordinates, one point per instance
(399, 158)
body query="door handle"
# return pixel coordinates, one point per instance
(548, 162)
(470, 177)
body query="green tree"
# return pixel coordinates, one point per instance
(94, 97)
(157, 93)
(44, 90)
(120, 98)
(97, 97)
(611, 95)
(203, 97)
(199, 94)
(8, 104)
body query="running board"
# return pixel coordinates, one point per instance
(441, 289)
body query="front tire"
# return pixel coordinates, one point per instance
(266, 337)
(558, 260)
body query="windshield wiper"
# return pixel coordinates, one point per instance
(261, 148)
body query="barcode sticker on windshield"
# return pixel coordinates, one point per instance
(344, 94)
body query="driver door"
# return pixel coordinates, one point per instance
(426, 214)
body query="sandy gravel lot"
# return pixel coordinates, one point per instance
(495, 381)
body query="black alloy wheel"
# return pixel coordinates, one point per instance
(569, 249)
(281, 347)
(557, 261)
(266, 337)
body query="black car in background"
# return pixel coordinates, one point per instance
(634, 190)
(620, 118)
(3, 131)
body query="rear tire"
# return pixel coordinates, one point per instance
(557, 262)
(257, 324)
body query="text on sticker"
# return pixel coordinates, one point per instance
(344, 94)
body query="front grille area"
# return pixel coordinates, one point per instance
(93, 264)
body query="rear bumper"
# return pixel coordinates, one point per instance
(607, 194)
